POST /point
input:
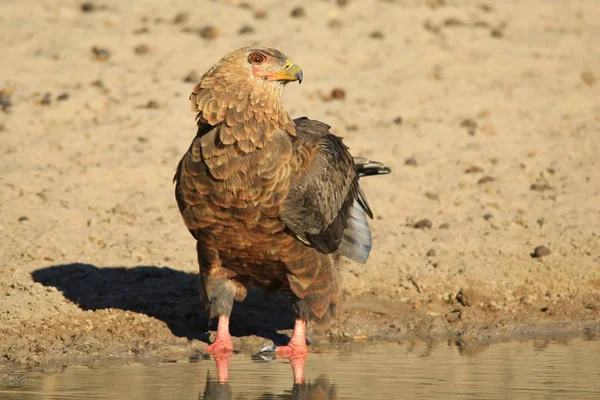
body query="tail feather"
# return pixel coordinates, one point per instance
(366, 167)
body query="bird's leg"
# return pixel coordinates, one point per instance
(222, 342)
(222, 362)
(297, 344)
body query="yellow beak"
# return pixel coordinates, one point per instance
(289, 73)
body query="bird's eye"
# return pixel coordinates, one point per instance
(256, 58)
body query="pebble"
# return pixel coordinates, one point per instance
(540, 251)
(398, 120)
(191, 77)
(5, 99)
(246, 29)
(338, 94)
(496, 33)
(63, 96)
(46, 100)
(473, 169)
(445, 225)
(87, 6)
(430, 253)
(335, 23)
(260, 14)
(101, 53)
(470, 125)
(298, 12)
(376, 35)
(488, 216)
(423, 224)
(485, 179)
(342, 3)
(181, 18)
(540, 187)
(416, 305)
(23, 218)
(588, 78)
(141, 49)
(152, 104)
(462, 299)
(209, 32)
(411, 161)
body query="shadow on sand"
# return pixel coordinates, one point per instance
(166, 294)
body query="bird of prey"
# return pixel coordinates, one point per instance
(271, 201)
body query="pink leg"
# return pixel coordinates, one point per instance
(222, 362)
(222, 342)
(296, 351)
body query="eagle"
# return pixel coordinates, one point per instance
(272, 201)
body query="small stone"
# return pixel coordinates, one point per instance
(430, 253)
(589, 78)
(191, 77)
(485, 179)
(416, 305)
(540, 222)
(376, 35)
(209, 32)
(46, 100)
(87, 6)
(338, 94)
(141, 49)
(342, 3)
(298, 12)
(435, 3)
(432, 196)
(260, 14)
(5, 99)
(445, 225)
(540, 251)
(473, 169)
(470, 125)
(462, 299)
(423, 224)
(152, 104)
(453, 22)
(101, 53)
(335, 23)
(23, 218)
(246, 30)
(181, 18)
(496, 33)
(540, 187)
(411, 161)
(98, 84)
(398, 120)
(544, 309)
(63, 96)
(488, 216)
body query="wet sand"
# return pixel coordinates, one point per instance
(487, 113)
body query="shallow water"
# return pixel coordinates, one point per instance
(543, 369)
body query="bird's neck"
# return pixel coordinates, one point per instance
(247, 116)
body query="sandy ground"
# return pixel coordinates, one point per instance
(487, 112)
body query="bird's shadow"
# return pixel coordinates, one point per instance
(168, 295)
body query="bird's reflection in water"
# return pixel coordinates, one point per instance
(219, 388)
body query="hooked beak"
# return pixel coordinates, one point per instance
(289, 73)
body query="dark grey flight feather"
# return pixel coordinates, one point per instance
(326, 207)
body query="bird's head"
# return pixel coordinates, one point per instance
(261, 64)
(247, 78)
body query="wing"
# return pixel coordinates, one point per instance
(325, 207)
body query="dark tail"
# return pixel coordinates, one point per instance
(366, 167)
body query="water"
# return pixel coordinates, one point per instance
(520, 370)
